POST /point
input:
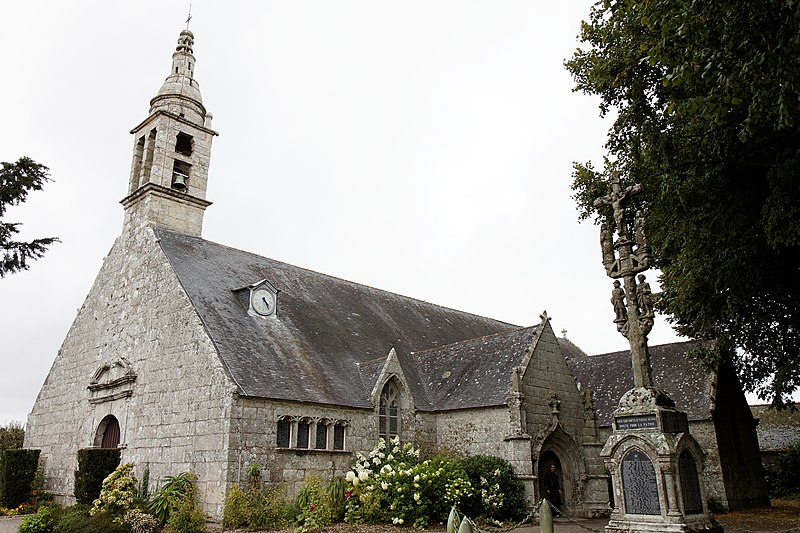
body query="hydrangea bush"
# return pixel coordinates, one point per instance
(392, 485)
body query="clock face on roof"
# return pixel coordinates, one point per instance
(263, 301)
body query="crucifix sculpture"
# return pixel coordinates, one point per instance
(623, 259)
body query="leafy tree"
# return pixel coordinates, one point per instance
(707, 102)
(16, 180)
(12, 436)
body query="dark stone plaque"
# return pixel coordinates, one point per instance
(637, 422)
(690, 484)
(639, 484)
(675, 422)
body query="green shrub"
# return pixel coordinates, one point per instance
(254, 473)
(143, 492)
(499, 493)
(169, 493)
(41, 522)
(118, 493)
(94, 465)
(17, 472)
(12, 436)
(314, 507)
(185, 517)
(336, 494)
(783, 477)
(78, 519)
(257, 509)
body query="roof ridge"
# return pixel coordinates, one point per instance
(370, 287)
(573, 345)
(466, 341)
(618, 352)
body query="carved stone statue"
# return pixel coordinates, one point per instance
(606, 244)
(555, 404)
(644, 298)
(640, 232)
(618, 301)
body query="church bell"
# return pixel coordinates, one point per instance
(179, 181)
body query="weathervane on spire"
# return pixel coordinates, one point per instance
(624, 258)
(189, 17)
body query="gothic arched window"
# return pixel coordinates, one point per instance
(389, 411)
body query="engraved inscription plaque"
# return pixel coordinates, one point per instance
(639, 485)
(690, 484)
(637, 422)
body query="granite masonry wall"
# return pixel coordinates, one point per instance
(139, 342)
(557, 423)
(254, 439)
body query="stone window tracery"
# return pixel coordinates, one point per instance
(313, 434)
(389, 411)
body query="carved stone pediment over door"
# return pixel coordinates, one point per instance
(112, 381)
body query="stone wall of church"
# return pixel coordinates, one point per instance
(138, 321)
(560, 425)
(254, 439)
(473, 431)
(548, 375)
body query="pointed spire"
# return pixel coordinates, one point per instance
(180, 93)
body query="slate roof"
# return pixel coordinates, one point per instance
(323, 328)
(776, 429)
(610, 376)
(473, 373)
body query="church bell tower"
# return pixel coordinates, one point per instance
(171, 153)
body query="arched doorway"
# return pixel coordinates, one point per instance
(559, 448)
(108, 433)
(545, 460)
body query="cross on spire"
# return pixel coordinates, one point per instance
(189, 17)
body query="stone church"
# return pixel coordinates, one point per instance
(193, 356)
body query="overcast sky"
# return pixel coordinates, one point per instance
(422, 147)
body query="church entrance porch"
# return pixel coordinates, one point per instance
(559, 463)
(551, 480)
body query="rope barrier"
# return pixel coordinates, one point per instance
(532, 518)
(563, 515)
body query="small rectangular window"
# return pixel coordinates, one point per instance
(338, 437)
(322, 437)
(283, 434)
(302, 434)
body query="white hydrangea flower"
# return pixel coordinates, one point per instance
(350, 476)
(363, 475)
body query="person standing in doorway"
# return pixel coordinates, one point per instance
(552, 488)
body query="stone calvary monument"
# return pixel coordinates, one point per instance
(655, 464)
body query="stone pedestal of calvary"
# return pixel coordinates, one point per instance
(655, 464)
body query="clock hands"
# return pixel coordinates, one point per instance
(264, 299)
